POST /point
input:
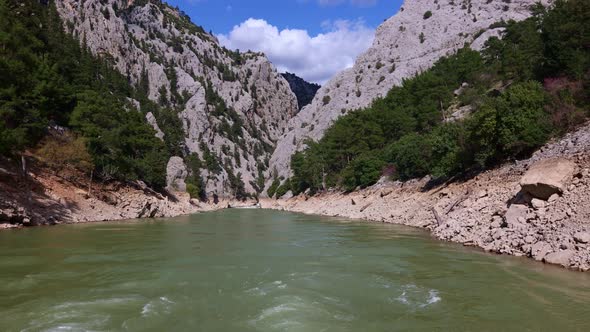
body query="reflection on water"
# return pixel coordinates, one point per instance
(255, 270)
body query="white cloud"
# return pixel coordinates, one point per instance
(315, 58)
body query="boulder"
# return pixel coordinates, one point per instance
(515, 215)
(547, 177)
(176, 174)
(538, 203)
(540, 250)
(582, 237)
(553, 198)
(560, 257)
(151, 119)
(288, 195)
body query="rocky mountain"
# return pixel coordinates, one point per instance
(233, 106)
(422, 32)
(303, 90)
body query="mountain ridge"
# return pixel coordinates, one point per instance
(402, 48)
(234, 105)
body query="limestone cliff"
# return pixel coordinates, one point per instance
(409, 42)
(237, 105)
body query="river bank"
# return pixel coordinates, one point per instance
(488, 211)
(49, 197)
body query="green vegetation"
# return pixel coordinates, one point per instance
(48, 79)
(524, 88)
(211, 161)
(427, 15)
(194, 182)
(63, 151)
(273, 187)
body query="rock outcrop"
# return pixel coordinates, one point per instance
(406, 44)
(176, 174)
(548, 177)
(236, 104)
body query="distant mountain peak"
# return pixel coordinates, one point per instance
(303, 90)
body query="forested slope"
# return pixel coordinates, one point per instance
(469, 112)
(50, 81)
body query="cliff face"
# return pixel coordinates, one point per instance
(237, 105)
(303, 90)
(407, 43)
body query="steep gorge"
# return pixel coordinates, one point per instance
(149, 40)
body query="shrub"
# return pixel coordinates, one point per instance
(567, 36)
(59, 152)
(283, 189)
(326, 100)
(195, 187)
(569, 102)
(446, 150)
(362, 172)
(192, 190)
(427, 15)
(411, 156)
(510, 125)
(273, 188)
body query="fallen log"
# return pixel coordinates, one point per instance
(365, 207)
(436, 215)
(385, 194)
(457, 202)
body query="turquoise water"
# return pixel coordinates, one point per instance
(256, 270)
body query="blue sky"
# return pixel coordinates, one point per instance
(221, 16)
(315, 39)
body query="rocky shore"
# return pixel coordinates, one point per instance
(49, 197)
(539, 207)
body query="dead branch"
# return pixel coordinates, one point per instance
(436, 215)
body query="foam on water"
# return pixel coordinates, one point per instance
(297, 312)
(264, 289)
(162, 305)
(292, 306)
(78, 315)
(417, 298)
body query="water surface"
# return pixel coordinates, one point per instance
(256, 270)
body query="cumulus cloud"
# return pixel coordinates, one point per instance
(315, 58)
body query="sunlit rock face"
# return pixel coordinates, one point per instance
(422, 32)
(152, 39)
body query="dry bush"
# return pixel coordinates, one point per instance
(63, 151)
(564, 93)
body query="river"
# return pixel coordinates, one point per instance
(257, 270)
